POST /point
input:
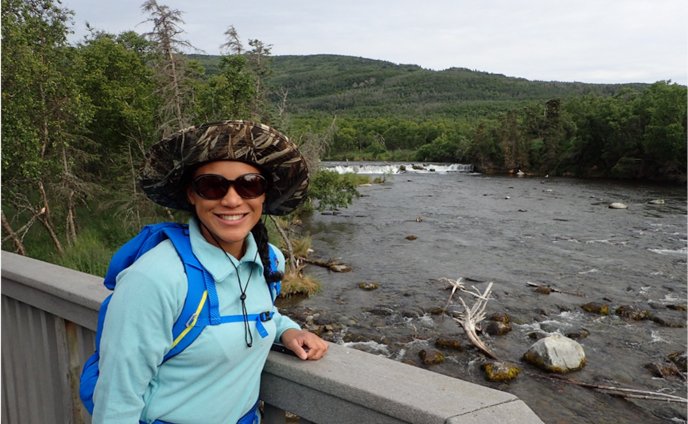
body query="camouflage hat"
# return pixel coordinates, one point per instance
(167, 162)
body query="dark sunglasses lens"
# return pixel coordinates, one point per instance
(212, 186)
(250, 186)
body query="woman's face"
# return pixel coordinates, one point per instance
(230, 218)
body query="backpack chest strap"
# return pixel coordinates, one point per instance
(258, 318)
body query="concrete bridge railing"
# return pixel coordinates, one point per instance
(49, 315)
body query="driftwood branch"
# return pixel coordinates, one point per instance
(455, 285)
(621, 391)
(471, 316)
(554, 290)
(287, 242)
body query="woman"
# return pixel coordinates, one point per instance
(227, 174)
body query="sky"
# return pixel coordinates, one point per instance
(592, 41)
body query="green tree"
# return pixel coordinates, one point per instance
(43, 118)
(115, 76)
(663, 109)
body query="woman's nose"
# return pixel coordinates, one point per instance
(232, 198)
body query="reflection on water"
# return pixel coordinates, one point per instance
(557, 232)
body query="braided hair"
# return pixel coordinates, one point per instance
(260, 234)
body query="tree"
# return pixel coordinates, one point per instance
(259, 61)
(663, 109)
(233, 92)
(43, 117)
(115, 76)
(175, 75)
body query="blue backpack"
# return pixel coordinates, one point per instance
(201, 307)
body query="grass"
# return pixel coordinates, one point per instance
(89, 254)
(300, 284)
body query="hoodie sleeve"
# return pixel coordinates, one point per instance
(136, 335)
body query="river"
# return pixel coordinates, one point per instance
(558, 232)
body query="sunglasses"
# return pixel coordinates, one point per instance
(213, 187)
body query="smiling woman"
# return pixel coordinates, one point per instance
(228, 174)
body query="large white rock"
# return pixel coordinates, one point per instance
(556, 354)
(617, 205)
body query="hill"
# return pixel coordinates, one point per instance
(327, 85)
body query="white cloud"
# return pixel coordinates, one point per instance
(586, 40)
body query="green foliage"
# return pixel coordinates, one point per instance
(231, 93)
(354, 87)
(89, 254)
(333, 190)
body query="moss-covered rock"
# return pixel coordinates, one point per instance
(431, 357)
(631, 312)
(500, 317)
(543, 290)
(596, 308)
(666, 321)
(497, 328)
(500, 371)
(447, 343)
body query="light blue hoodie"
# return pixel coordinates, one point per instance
(214, 380)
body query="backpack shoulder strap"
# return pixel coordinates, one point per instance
(275, 287)
(149, 237)
(201, 298)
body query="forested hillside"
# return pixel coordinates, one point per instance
(346, 86)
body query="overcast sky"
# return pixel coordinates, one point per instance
(594, 41)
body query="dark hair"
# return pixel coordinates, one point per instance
(260, 234)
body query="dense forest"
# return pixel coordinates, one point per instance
(77, 119)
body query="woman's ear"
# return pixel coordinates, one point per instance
(191, 195)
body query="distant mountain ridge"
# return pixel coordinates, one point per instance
(327, 85)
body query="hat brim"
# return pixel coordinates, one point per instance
(167, 162)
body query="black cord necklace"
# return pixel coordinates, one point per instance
(248, 336)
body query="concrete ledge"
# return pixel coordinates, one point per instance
(69, 294)
(359, 383)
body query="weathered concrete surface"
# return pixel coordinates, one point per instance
(351, 382)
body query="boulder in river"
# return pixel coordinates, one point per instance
(679, 358)
(497, 328)
(447, 343)
(666, 321)
(499, 316)
(340, 268)
(557, 354)
(500, 371)
(596, 308)
(430, 357)
(631, 312)
(618, 205)
(663, 368)
(656, 202)
(367, 286)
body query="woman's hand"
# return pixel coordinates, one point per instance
(304, 344)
